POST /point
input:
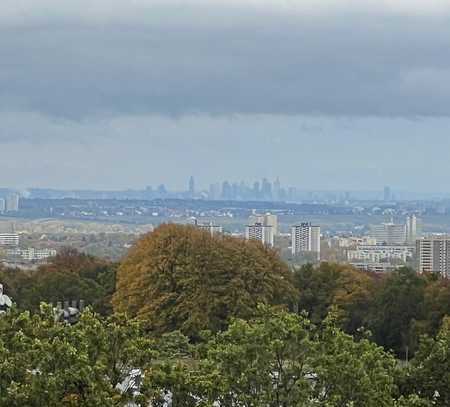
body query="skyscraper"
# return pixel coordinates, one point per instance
(161, 191)
(214, 191)
(266, 190)
(12, 203)
(305, 238)
(256, 190)
(226, 191)
(277, 190)
(387, 194)
(191, 187)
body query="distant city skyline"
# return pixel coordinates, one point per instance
(259, 190)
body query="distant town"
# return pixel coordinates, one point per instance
(378, 234)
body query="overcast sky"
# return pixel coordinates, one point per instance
(325, 94)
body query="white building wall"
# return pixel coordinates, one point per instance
(305, 238)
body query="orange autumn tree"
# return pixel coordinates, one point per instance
(180, 277)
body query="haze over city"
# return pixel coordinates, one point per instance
(331, 95)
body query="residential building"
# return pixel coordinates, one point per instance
(353, 241)
(380, 253)
(9, 239)
(31, 254)
(305, 238)
(267, 219)
(389, 233)
(211, 228)
(261, 232)
(433, 254)
(208, 227)
(374, 267)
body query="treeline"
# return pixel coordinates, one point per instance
(249, 330)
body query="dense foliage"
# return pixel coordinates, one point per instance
(429, 372)
(68, 276)
(47, 363)
(334, 285)
(275, 359)
(397, 308)
(179, 277)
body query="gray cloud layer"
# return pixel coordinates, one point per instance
(181, 59)
(114, 94)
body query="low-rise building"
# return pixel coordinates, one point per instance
(31, 254)
(374, 267)
(380, 253)
(352, 241)
(208, 227)
(9, 239)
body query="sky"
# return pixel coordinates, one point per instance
(336, 94)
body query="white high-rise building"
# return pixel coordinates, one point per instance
(433, 255)
(267, 219)
(2, 205)
(411, 229)
(260, 232)
(305, 238)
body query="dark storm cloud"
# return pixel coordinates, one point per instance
(177, 60)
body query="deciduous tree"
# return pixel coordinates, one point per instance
(179, 277)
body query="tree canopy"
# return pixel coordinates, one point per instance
(337, 286)
(428, 375)
(70, 275)
(276, 359)
(397, 308)
(180, 277)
